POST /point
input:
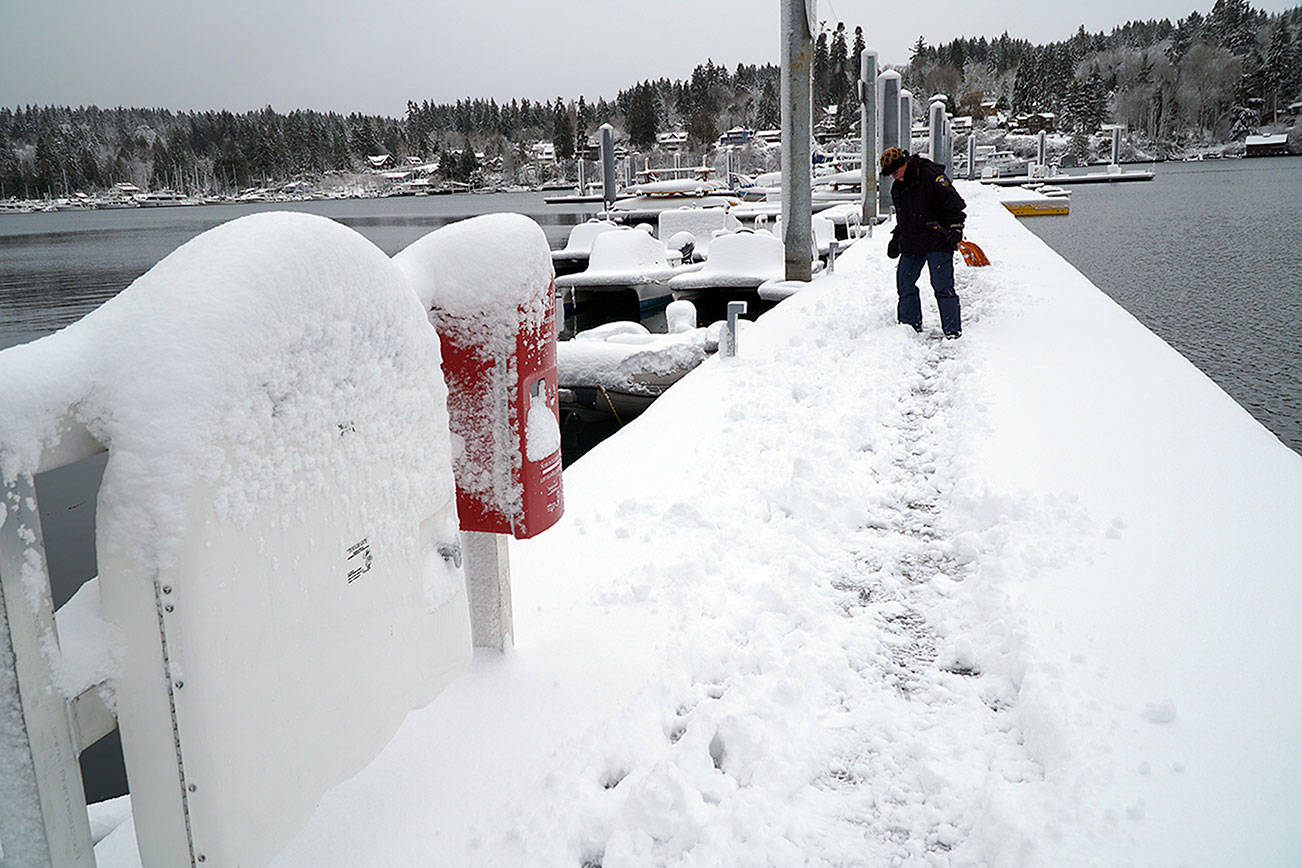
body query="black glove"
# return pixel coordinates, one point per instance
(951, 235)
(893, 247)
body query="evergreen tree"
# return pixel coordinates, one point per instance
(467, 163)
(838, 67)
(562, 131)
(768, 115)
(11, 173)
(362, 136)
(822, 70)
(583, 120)
(642, 116)
(1280, 70)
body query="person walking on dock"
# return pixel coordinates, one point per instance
(929, 215)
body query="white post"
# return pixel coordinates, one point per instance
(728, 337)
(971, 154)
(936, 131)
(607, 134)
(831, 257)
(906, 120)
(797, 129)
(1116, 146)
(888, 127)
(868, 137)
(949, 145)
(488, 584)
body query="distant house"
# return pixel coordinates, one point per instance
(673, 139)
(1266, 146)
(380, 161)
(736, 136)
(543, 152)
(1034, 122)
(961, 124)
(772, 137)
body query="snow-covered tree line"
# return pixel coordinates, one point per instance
(57, 149)
(1204, 78)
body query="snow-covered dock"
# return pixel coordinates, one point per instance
(866, 597)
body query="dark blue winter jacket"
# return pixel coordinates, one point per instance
(924, 199)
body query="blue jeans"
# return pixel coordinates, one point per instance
(941, 265)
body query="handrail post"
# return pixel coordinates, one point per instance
(44, 819)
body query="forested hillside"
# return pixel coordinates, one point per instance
(1211, 77)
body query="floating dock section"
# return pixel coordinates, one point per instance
(865, 596)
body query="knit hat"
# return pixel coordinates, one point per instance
(892, 159)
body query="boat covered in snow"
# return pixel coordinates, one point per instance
(616, 370)
(627, 278)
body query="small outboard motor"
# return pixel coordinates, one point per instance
(684, 242)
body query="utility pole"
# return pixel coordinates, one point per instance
(799, 18)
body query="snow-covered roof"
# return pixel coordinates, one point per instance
(1279, 139)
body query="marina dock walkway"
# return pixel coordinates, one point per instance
(862, 596)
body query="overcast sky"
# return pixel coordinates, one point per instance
(352, 55)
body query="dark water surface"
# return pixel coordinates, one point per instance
(57, 267)
(1208, 256)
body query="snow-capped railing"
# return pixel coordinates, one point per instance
(42, 729)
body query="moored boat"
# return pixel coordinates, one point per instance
(627, 278)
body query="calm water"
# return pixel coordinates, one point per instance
(57, 267)
(1209, 257)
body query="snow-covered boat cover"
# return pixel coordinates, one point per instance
(626, 357)
(626, 256)
(579, 242)
(703, 223)
(746, 258)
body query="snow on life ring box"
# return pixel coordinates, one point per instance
(487, 285)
